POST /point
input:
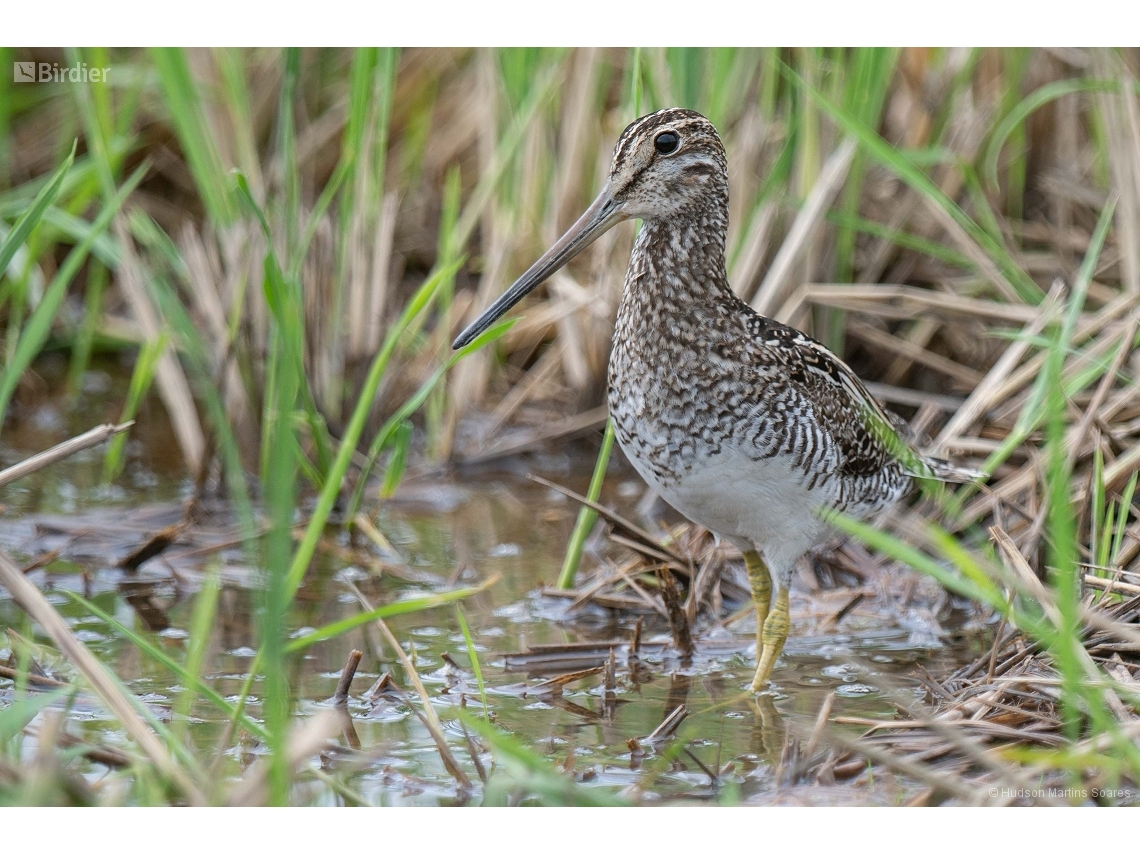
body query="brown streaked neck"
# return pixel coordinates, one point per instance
(681, 259)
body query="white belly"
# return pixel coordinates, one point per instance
(759, 504)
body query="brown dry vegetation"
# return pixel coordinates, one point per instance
(958, 224)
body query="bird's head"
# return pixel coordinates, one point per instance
(667, 165)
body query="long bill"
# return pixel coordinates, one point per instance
(602, 213)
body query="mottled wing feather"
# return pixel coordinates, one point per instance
(875, 458)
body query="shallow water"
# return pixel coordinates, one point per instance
(445, 533)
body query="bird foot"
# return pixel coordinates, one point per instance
(761, 581)
(772, 638)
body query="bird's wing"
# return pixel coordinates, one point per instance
(868, 437)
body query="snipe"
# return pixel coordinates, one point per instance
(744, 425)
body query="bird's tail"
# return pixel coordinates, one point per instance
(943, 470)
(895, 434)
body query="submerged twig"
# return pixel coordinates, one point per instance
(340, 697)
(155, 545)
(668, 725)
(678, 620)
(37, 680)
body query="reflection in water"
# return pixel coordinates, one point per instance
(347, 728)
(460, 533)
(678, 696)
(140, 596)
(768, 729)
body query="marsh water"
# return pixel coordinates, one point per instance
(446, 531)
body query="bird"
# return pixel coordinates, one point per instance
(746, 426)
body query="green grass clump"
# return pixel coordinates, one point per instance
(285, 241)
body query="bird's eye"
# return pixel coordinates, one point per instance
(667, 142)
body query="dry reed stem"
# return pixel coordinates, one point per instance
(1110, 585)
(1093, 410)
(571, 335)
(970, 247)
(1011, 699)
(1122, 128)
(380, 280)
(918, 334)
(93, 437)
(913, 397)
(914, 353)
(644, 538)
(746, 271)
(32, 678)
(1007, 405)
(988, 391)
(539, 375)
(206, 281)
(173, 387)
(1022, 573)
(955, 734)
(942, 781)
(770, 294)
(569, 427)
(678, 618)
(308, 738)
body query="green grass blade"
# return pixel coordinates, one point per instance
(385, 434)
(34, 212)
(1122, 522)
(395, 470)
(20, 711)
(401, 607)
(1096, 517)
(894, 160)
(198, 641)
(156, 653)
(184, 104)
(534, 772)
(141, 378)
(901, 238)
(586, 516)
(38, 327)
(1037, 99)
(473, 657)
(331, 490)
(957, 582)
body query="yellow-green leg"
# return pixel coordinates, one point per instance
(775, 633)
(761, 581)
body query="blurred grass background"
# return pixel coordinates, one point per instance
(287, 241)
(375, 168)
